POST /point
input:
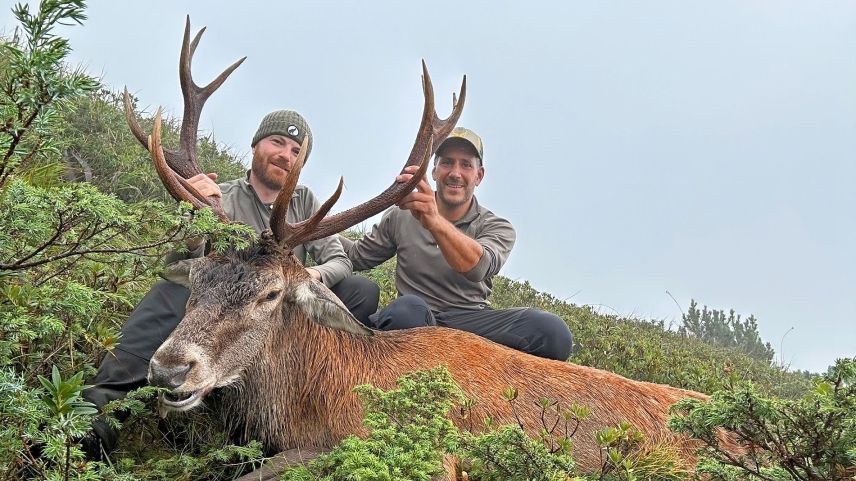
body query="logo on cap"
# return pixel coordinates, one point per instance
(293, 130)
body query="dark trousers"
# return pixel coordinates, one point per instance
(154, 319)
(526, 329)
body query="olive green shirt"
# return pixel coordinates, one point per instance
(241, 204)
(421, 268)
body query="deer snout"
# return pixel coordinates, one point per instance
(168, 376)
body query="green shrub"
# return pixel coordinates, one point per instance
(73, 263)
(100, 149)
(408, 433)
(810, 438)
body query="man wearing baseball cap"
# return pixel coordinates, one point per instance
(449, 247)
(275, 147)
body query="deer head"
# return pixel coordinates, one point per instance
(237, 298)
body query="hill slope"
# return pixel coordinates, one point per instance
(638, 349)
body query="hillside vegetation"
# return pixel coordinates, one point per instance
(638, 349)
(85, 224)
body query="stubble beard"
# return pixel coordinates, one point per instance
(453, 204)
(261, 169)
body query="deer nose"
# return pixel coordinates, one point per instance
(167, 376)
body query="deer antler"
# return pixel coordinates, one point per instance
(281, 229)
(432, 131)
(174, 166)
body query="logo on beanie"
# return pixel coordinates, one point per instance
(293, 130)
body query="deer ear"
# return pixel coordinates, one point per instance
(179, 272)
(323, 307)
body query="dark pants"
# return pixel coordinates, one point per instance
(126, 367)
(526, 329)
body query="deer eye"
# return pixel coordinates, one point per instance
(271, 296)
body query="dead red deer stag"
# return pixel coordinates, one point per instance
(290, 353)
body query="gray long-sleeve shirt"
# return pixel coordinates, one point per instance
(421, 268)
(241, 204)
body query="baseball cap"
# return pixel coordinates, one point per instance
(467, 136)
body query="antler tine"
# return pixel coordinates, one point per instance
(196, 38)
(302, 229)
(424, 146)
(278, 225)
(287, 233)
(443, 127)
(132, 120)
(425, 125)
(183, 160)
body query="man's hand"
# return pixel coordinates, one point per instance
(205, 184)
(421, 203)
(314, 274)
(461, 252)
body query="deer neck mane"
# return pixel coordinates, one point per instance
(303, 372)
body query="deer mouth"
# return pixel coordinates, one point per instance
(182, 401)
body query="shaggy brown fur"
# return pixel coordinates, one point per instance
(292, 377)
(298, 393)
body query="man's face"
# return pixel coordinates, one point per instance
(457, 172)
(273, 158)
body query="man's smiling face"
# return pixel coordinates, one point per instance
(273, 159)
(457, 172)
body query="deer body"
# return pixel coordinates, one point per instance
(298, 393)
(295, 391)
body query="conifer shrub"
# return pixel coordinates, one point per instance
(812, 437)
(409, 433)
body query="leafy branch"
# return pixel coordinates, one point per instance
(808, 439)
(35, 86)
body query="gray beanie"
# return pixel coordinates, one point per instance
(285, 122)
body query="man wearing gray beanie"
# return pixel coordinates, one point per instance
(248, 200)
(275, 147)
(284, 122)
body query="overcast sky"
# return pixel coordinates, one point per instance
(704, 149)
